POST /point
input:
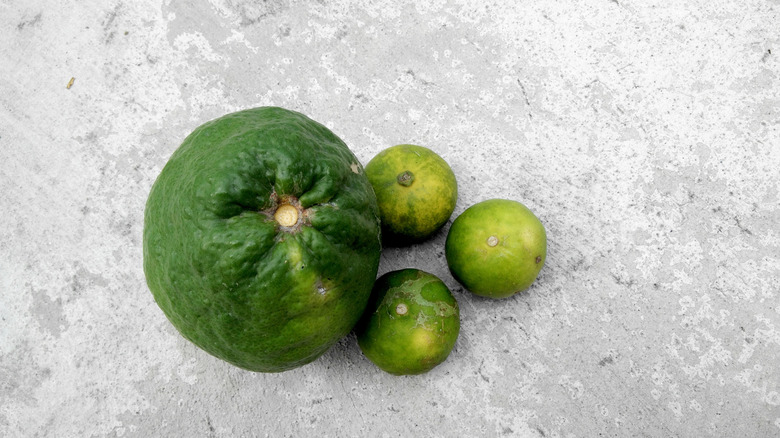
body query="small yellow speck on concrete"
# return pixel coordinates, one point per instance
(70, 83)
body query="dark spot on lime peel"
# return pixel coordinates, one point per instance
(405, 178)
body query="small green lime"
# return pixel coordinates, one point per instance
(496, 248)
(416, 192)
(411, 322)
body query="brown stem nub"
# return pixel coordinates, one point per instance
(405, 178)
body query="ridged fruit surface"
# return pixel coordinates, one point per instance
(262, 239)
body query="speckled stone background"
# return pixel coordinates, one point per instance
(644, 134)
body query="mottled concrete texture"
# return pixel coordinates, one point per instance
(644, 134)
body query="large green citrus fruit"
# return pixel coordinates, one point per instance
(496, 248)
(262, 239)
(416, 191)
(410, 324)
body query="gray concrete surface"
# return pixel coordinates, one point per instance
(644, 134)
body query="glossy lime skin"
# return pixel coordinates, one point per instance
(496, 248)
(413, 209)
(230, 278)
(411, 323)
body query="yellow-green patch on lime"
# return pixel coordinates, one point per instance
(410, 324)
(496, 248)
(416, 192)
